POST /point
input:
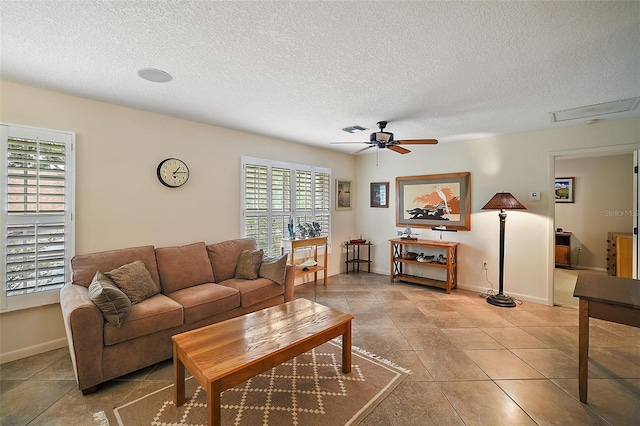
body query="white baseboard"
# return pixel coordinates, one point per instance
(33, 350)
(517, 296)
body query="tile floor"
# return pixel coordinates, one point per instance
(472, 363)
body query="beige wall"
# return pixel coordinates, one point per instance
(119, 201)
(603, 203)
(517, 163)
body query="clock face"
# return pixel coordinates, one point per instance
(173, 172)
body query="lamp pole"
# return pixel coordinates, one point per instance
(500, 299)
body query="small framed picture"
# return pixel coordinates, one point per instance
(343, 194)
(565, 187)
(379, 195)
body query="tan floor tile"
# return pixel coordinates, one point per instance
(521, 317)
(630, 385)
(427, 338)
(25, 368)
(548, 404)
(615, 363)
(369, 320)
(380, 342)
(556, 337)
(514, 337)
(601, 337)
(414, 320)
(23, 403)
(450, 365)
(502, 364)
(429, 406)
(485, 319)
(621, 330)
(471, 338)
(410, 361)
(483, 403)
(447, 319)
(418, 328)
(610, 401)
(552, 363)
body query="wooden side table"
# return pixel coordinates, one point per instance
(357, 260)
(308, 242)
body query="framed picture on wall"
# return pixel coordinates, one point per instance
(343, 194)
(434, 200)
(379, 194)
(564, 189)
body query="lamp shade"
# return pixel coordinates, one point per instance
(503, 201)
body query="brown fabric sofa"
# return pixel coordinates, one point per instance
(197, 288)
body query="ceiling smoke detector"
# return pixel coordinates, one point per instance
(623, 105)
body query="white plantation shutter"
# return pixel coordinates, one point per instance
(274, 192)
(36, 215)
(322, 199)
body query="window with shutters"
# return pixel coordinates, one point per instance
(276, 192)
(37, 213)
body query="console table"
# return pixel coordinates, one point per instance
(357, 260)
(607, 298)
(308, 242)
(449, 249)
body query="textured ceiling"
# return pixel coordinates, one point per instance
(301, 71)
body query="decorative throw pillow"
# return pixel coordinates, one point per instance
(274, 268)
(112, 302)
(135, 281)
(248, 264)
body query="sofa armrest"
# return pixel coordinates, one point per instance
(83, 324)
(289, 282)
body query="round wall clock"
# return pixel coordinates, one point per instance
(173, 172)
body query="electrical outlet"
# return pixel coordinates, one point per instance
(579, 248)
(485, 265)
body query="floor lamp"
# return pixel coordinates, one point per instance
(502, 201)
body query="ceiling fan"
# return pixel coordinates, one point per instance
(384, 139)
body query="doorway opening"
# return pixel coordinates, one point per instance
(603, 200)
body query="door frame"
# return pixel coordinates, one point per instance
(582, 153)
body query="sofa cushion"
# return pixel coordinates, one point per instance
(85, 266)
(254, 291)
(149, 316)
(248, 264)
(134, 280)
(274, 268)
(224, 256)
(206, 300)
(112, 302)
(184, 266)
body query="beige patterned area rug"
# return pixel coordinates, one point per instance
(308, 390)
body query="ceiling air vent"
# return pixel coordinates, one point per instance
(354, 129)
(623, 105)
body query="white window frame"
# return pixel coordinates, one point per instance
(49, 296)
(293, 212)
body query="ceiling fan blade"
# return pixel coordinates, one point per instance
(363, 149)
(398, 149)
(418, 141)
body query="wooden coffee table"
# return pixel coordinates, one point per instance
(226, 354)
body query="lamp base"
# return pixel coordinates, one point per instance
(501, 300)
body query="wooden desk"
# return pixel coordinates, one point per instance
(223, 355)
(608, 298)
